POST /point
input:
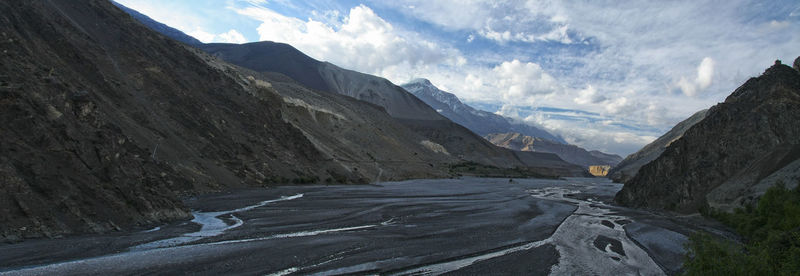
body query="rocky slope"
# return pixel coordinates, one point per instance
(481, 122)
(629, 166)
(456, 140)
(404, 107)
(107, 123)
(570, 153)
(742, 145)
(361, 137)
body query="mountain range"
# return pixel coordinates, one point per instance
(108, 124)
(569, 153)
(266, 56)
(481, 122)
(503, 131)
(404, 107)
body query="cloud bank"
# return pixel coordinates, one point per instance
(627, 72)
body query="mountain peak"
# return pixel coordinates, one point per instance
(422, 81)
(479, 121)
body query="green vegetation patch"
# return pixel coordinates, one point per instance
(770, 233)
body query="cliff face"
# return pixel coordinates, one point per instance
(750, 137)
(570, 153)
(629, 166)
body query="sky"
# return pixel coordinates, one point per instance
(605, 75)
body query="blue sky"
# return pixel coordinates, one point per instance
(604, 75)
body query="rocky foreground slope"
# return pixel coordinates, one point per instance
(106, 123)
(629, 166)
(742, 146)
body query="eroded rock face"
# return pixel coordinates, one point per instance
(740, 134)
(629, 166)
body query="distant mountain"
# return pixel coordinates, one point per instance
(159, 27)
(503, 131)
(481, 122)
(266, 56)
(569, 153)
(396, 101)
(728, 159)
(628, 168)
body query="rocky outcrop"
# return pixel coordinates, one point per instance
(628, 168)
(570, 153)
(481, 122)
(796, 64)
(599, 170)
(725, 159)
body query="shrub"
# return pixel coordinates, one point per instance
(771, 234)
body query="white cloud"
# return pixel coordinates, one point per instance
(202, 35)
(522, 80)
(362, 41)
(639, 57)
(501, 21)
(705, 74)
(231, 36)
(589, 96)
(558, 34)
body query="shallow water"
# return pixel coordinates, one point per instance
(431, 227)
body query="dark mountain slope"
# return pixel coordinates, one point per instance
(106, 122)
(398, 103)
(358, 135)
(629, 166)
(267, 56)
(756, 131)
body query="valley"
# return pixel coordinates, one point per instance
(429, 227)
(323, 147)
